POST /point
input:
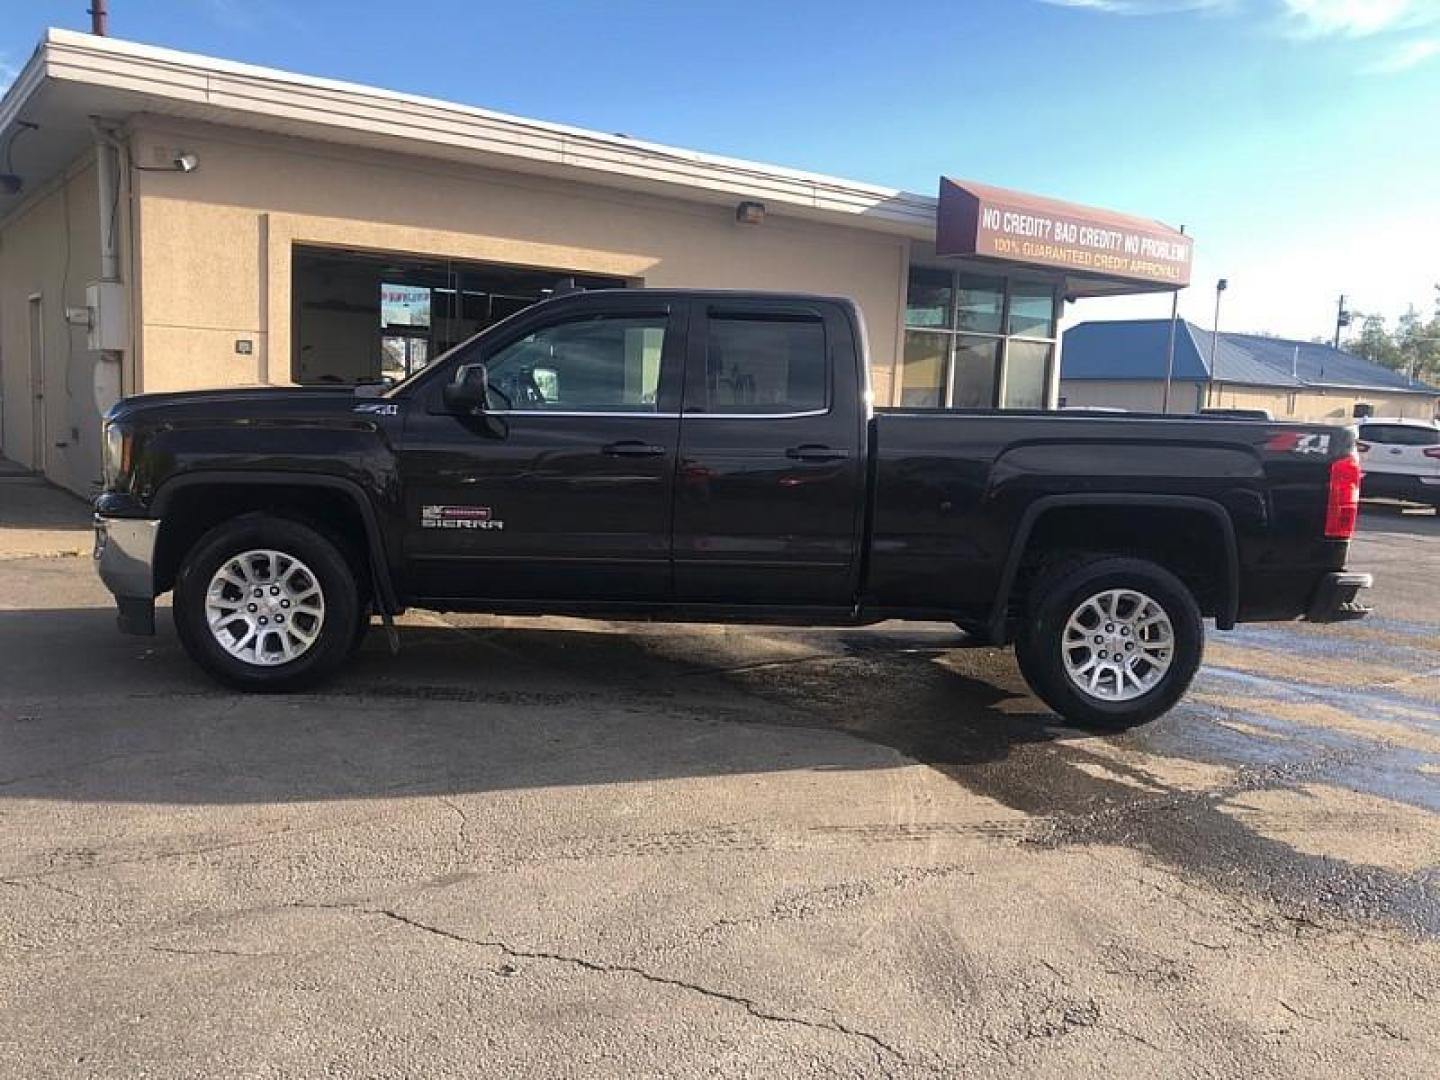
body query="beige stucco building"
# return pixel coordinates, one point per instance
(176, 221)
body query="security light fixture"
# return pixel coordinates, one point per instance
(10, 181)
(750, 212)
(180, 161)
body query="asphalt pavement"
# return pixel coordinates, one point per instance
(552, 847)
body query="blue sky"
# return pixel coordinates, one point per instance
(1296, 139)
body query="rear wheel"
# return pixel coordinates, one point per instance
(265, 603)
(1110, 643)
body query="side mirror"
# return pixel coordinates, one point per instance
(469, 391)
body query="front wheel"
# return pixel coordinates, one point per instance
(1111, 643)
(265, 603)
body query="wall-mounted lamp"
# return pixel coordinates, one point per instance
(750, 212)
(180, 161)
(10, 181)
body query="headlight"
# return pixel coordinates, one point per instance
(116, 458)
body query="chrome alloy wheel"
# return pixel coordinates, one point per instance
(1117, 645)
(265, 607)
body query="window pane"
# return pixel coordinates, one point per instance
(922, 379)
(927, 298)
(1027, 365)
(975, 369)
(1405, 435)
(1032, 309)
(765, 365)
(592, 365)
(980, 302)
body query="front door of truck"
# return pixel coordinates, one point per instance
(770, 490)
(563, 490)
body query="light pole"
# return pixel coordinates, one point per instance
(1220, 287)
(1170, 347)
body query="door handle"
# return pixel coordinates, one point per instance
(632, 448)
(815, 452)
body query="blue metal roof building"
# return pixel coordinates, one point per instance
(1134, 352)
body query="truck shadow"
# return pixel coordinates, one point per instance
(89, 716)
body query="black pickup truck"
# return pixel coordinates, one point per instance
(683, 455)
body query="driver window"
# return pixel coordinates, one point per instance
(598, 364)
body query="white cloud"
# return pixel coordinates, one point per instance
(1401, 28)
(1411, 54)
(1358, 18)
(1143, 7)
(1310, 18)
(8, 71)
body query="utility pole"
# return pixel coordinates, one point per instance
(99, 11)
(1342, 319)
(1170, 347)
(1220, 287)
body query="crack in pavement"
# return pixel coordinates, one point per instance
(462, 837)
(211, 952)
(837, 1027)
(41, 885)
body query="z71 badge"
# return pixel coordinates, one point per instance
(1294, 442)
(458, 517)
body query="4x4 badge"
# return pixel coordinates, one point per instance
(379, 408)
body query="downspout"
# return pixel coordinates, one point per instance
(109, 155)
(107, 152)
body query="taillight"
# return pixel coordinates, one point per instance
(1343, 505)
(1432, 451)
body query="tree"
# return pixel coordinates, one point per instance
(1412, 348)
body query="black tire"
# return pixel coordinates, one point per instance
(1056, 596)
(338, 633)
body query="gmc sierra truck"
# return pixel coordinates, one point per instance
(684, 455)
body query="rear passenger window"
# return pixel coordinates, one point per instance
(1400, 435)
(765, 364)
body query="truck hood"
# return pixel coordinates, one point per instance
(258, 402)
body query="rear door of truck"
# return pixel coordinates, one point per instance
(770, 488)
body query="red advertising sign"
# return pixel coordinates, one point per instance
(975, 219)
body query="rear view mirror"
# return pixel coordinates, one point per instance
(469, 391)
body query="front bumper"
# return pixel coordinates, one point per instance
(125, 560)
(1337, 598)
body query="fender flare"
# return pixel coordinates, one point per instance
(375, 540)
(1229, 608)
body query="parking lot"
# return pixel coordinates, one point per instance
(552, 847)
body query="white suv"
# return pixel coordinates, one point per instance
(1401, 459)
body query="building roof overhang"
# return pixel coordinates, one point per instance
(72, 77)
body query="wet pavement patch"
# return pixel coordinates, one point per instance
(962, 713)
